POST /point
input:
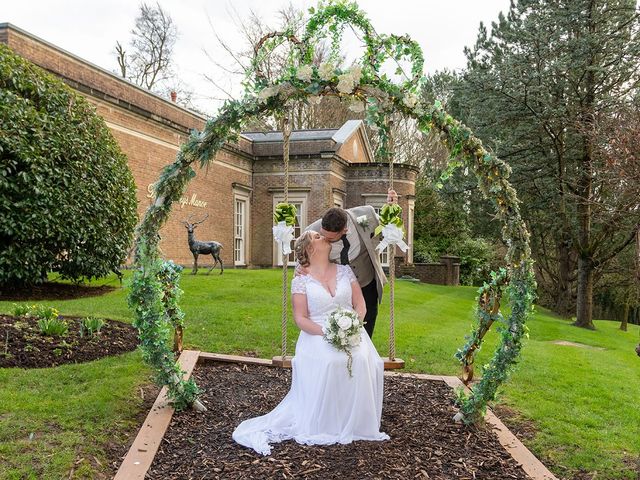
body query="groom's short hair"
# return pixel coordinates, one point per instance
(334, 220)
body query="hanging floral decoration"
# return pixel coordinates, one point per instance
(284, 217)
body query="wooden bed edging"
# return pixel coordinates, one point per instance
(143, 449)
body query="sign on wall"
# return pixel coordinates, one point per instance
(184, 200)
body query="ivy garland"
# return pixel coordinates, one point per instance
(153, 299)
(363, 82)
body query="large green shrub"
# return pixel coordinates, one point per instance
(67, 196)
(442, 228)
(478, 257)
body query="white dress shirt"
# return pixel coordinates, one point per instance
(352, 238)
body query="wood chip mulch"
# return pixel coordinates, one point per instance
(53, 291)
(417, 414)
(22, 345)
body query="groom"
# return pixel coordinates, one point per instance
(351, 233)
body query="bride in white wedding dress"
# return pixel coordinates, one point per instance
(325, 405)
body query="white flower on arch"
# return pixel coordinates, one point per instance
(326, 71)
(348, 80)
(410, 99)
(305, 73)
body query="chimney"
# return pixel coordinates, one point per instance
(174, 96)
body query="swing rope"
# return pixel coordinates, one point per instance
(286, 134)
(392, 254)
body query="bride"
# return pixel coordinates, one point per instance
(325, 405)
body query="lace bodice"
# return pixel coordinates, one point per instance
(319, 300)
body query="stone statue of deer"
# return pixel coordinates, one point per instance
(205, 248)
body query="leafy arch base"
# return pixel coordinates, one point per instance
(154, 310)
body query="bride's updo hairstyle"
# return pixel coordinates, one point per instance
(301, 248)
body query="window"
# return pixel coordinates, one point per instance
(300, 202)
(412, 204)
(239, 232)
(384, 255)
(241, 216)
(377, 200)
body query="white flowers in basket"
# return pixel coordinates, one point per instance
(342, 330)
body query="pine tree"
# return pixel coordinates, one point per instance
(537, 89)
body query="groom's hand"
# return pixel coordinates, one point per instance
(392, 196)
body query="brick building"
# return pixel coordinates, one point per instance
(241, 185)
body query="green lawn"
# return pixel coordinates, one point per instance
(582, 401)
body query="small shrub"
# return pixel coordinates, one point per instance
(91, 325)
(53, 327)
(35, 311)
(43, 313)
(21, 310)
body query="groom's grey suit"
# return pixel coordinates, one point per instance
(366, 266)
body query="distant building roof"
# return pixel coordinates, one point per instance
(325, 139)
(338, 135)
(296, 135)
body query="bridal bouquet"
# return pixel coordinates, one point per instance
(342, 330)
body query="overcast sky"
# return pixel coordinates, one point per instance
(89, 29)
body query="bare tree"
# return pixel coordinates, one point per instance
(331, 112)
(147, 61)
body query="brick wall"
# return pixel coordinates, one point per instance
(447, 272)
(150, 130)
(311, 179)
(97, 82)
(367, 184)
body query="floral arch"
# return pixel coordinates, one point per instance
(154, 297)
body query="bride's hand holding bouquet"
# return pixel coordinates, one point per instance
(343, 330)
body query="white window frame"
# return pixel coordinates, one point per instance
(241, 196)
(296, 198)
(410, 214)
(338, 200)
(377, 201)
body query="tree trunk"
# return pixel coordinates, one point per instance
(625, 317)
(585, 294)
(584, 314)
(563, 296)
(564, 299)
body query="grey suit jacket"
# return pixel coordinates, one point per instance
(368, 244)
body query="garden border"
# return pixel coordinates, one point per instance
(145, 446)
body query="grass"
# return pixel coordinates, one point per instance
(581, 401)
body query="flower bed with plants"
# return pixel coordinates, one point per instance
(36, 336)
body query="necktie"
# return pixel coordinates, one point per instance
(344, 253)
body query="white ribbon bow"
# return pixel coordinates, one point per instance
(283, 234)
(392, 235)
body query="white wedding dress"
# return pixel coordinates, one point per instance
(325, 405)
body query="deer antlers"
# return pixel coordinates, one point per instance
(187, 222)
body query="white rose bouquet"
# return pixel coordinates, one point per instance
(342, 330)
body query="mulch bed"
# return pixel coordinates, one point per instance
(417, 414)
(54, 291)
(22, 344)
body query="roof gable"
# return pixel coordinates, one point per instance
(349, 141)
